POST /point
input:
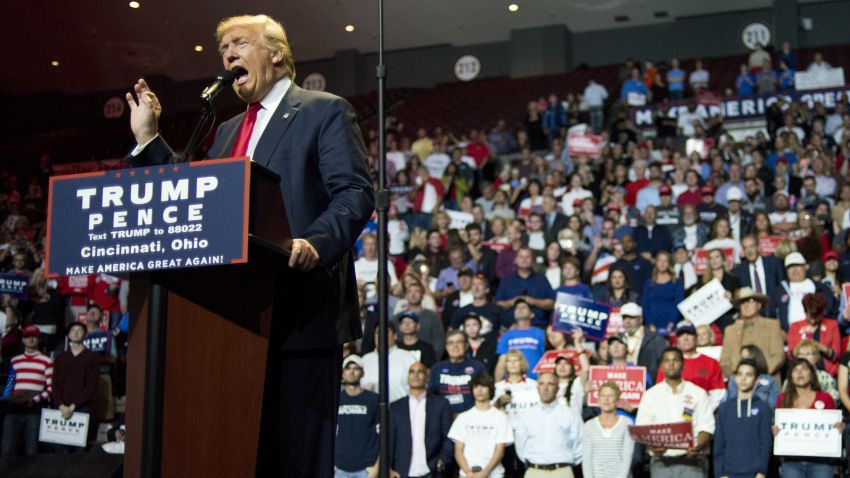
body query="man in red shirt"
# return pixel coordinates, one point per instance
(700, 369)
(640, 182)
(478, 150)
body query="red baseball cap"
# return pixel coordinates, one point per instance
(665, 190)
(829, 255)
(31, 331)
(706, 190)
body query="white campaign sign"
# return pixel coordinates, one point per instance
(814, 80)
(459, 219)
(55, 429)
(706, 304)
(807, 433)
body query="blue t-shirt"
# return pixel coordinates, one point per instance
(676, 79)
(581, 290)
(535, 285)
(356, 431)
(632, 86)
(531, 342)
(451, 380)
(746, 84)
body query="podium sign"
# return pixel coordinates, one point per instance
(150, 218)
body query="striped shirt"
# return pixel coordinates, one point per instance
(607, 452)
(33, 373)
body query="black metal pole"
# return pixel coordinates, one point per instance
(154, 382)
(382, 206)
(206, 113)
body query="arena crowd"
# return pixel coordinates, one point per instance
(487, 229)
(490, 230)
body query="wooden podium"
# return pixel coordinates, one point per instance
(199, 343)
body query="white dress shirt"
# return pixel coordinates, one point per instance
(269, 104)
(548, 434)
(419, 458)
(661, 405)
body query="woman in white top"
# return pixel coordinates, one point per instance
(570, 389)
(607, 447)
(721, 238)
(516, 393)
(553, 264)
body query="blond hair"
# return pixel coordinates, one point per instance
(272, 32)
(523, 363)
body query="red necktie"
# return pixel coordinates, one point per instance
(240, 147)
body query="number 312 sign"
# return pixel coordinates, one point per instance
(467, 68)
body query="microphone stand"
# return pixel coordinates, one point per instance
(207, 112)
(382, 204)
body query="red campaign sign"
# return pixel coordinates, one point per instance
(584, 145)
(677, 436)
(701, 146)
(615, 323)
(701, 259)
(845, 291)
(547, 362)
(767, 245)
(631, 380)
(496, 247)
(709, 98)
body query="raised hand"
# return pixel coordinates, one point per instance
(144, 112)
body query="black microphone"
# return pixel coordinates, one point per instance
(222, 81)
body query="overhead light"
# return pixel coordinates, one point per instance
(513, 7)
(349, 28)
(199, 48)
(135, 4)
(54, 63)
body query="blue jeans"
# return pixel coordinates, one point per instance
(350, 474)
(17, 426)
(805, 469)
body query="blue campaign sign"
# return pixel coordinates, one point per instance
(14, 285)
(572, 311)
(150, 218)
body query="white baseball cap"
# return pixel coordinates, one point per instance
(631, 309)
(734, 194)
(352, 358)
(795, 259)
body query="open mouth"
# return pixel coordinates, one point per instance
(241, 75)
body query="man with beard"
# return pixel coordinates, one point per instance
(356, 450)
(637, 268)
(488, 312)
(676, 400)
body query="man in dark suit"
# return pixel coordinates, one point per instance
(762, 273)
(645, 347)
(553, 221)
(650, 237)
(312, 141)
(419, 446)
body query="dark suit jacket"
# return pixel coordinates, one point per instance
(313, 142)
(774, 274)
(662, 239)
(651, 348)
(779, 298)
(438, 420)
(551, 233)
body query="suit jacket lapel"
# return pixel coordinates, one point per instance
(230, 131)
(282, 117)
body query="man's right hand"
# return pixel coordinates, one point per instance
(144, 112)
